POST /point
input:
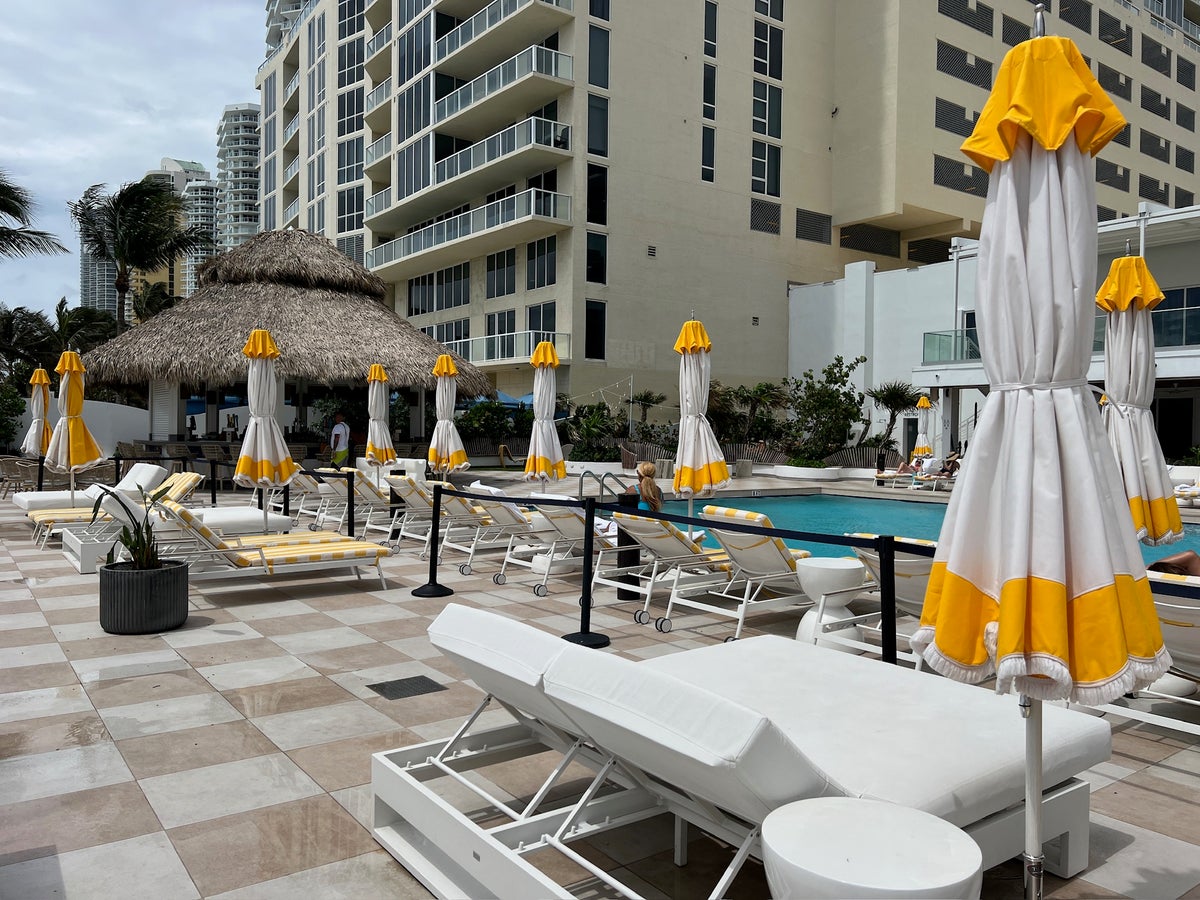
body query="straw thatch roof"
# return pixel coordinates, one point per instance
(324, 311)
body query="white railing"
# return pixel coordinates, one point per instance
(529, 203)
(378, 150)
(292, 170)
(1158, 7)
(291, 128)
(1162, 26)
(1129, 6)
(292, 211)
(292, 84)
(1190, 28)
(295, 26)
(529, 60)
(488, 17)
(378, 42)
(514, 345)
(533, 130)
(378, 95)
(378, 202)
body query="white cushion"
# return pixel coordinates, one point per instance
(884, 732)
(147, 476)
(1183, 475)
(246, 520)
(124, 509)
(931, 466)
(31, 501)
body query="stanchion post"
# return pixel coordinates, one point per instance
(116, 468)
(41, 471)
(585, 636)
(287, 500)
(432, 588)
(350, 505)
(887, 597)
(212, 480)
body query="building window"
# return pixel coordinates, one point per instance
(350, 62)
(316, 38)
(956, 62)
(771, 8)
(540, 322)
(1013, 32)
(598, 56)
(1156, 56)
(767, 109)
(596, 267)
(1154, 102)
(1185, 159)
(350, 209)
(268, 137)
(502, 273)
(764, 168)
(597, 194)
(953, 118)
(1177, 318)
(871, 239)
(595, 322)
(980, 17)
(350, 160)
(268, 214)
(710, 91)
(268, 175)
(597, 125)
(598, 9)
(1122, 136)
(1184, 198)
(540, 263)
(316, 84)
(316, 132)
(316, 217)
(452, 332)
(710, 28)
(1185, 116)
(1079, 14)
(268, 95)
(350, 17)
(768, 50)
(350, 112)
(1185, 72)
(708, 154)
(445, 289)
(501, 334)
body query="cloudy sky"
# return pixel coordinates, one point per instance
(100, 91)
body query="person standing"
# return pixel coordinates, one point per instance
(339, 441)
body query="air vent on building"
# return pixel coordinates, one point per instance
(351, 247)
(959, 176)
(1185, 116)
(1077, 13)
(1156, 56)
(651, 250)
(754, 321)
(1122, 136)
(1184, 198)
(764, 216)
(979, 18)
(956, 62)
(1115, 82)
(1114, 33)
(1104, 214)
(1151, 189)
(1185, 72)
(1185, 159)
(871, 239)
(953, 118)
(928, 250)
(814, 226)
(1111, 174)
(1153, 101)
(1153, 145)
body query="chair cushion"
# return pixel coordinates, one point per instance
(31, 501)
(227, 520)
(147, 476)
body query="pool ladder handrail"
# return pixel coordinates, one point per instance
(601, 482)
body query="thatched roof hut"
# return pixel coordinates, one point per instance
(325, 312)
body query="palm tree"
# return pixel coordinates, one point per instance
(137, 227)
(151, 299)
(17, 238)
(765, 396)
(644, 400)
(21, 333)
(79, 328)
(897, 397)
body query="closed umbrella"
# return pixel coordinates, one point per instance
(923, 446)
(380, 451)
(1038, 578)
(264, 460)
(72, 447)
(545, 460)
(1128, 295)
(37, 439)
(446, 453)
(700, 467)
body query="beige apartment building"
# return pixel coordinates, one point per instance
(593, 171)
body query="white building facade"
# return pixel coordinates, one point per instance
(238, 148)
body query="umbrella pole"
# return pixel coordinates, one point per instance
(1031, 711)
(72, 487)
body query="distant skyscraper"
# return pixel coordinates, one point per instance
(237, 175)
(200, 208)
(97, 279)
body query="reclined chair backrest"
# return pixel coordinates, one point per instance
(912, 572)
(753, 554)
(1179, 618)
(707, 745)
(569, 521)
(502, 510)
(202, 534)
(365, 489)
(147, 476)
(658, 537)
(307, 484)
(179, 486)
(412, 492)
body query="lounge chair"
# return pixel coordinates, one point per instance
(502, 519)
(414, 521)
(719, 736)
(49, 522)
(764, 573)
(213, 557)
(146, 476)
(563, 552)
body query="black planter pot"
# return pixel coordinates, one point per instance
(143, 601)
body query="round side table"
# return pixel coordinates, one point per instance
(820, 575)
(847, 847)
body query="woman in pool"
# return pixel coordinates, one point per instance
(647, 488)
(1185, 563)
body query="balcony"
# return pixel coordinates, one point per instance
(377, 203)
(291, 88)
(377, 12)
(961, 345)
(292, 170)
(378, 42)
(375, 108)
(531, 79)
(377, 58)
(508, 347)
(509, 26)
(291, 129)
(291, 214)
(513, 220)
(510, 155)
(376, 157)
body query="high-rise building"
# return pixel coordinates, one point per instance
(97, 283)
(180, 175)
(594, 172)
(237, 175)
(200, 201)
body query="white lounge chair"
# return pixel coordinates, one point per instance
(719, 736)
(146, 476)
(501, 519)
(563, 552)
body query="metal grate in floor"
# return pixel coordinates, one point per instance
(406, 687)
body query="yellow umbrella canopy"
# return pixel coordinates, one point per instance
(545, 459)
(72, 447)
(264, 460)
(446, 451)
(1128, 295)
(380, 451)
(923, 446)
(700, 465)
(37, 439)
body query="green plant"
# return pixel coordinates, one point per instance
(881, 441)
(644, 400)
(592, 429)
(1191, 458)
(804, 462)
(522, 420)
(824, 409)
(12, 405)
(897, 398)
(17, 236)
(487, 419)
(760, 402)
(139, 539)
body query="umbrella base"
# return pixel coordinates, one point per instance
(432, 590)
(588, 639)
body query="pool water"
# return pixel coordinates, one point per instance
(838, 515)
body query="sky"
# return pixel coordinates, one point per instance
(99, 91)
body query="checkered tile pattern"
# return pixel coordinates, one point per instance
(231, 758)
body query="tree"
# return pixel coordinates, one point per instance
(17, 236)
(824, 409)
(77, 328)
(766, 396)
(723, 413)
(22, 332)
(897, 398)
(137, 227)
(151, 299)
(644, 400)
(12, 407)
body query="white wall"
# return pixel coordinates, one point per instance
(108, 422)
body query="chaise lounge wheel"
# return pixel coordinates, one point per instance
(314, 527)
(499, 578)
(641, 616)
(663, 624)
(395, 549)
(465, 569)
(539, 590)
(730, 639)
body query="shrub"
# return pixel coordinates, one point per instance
(487, 419)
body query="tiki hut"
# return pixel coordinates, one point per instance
(325, 312)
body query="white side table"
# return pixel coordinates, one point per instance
(847, 847)
(820, 577)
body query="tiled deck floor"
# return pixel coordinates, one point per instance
(231, 758)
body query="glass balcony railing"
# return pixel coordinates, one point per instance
(292, 170)
(961, 345)
(377, 96)
(378, 202)
(533, 202)
(529, 60)
(286, 37)
(291, 128)
(292, 84)
(517, 345)
(488, 17)
(378, 150)
(292, 211)
(533, 130)
(378, 42)
(1156, 6)
(1190, 28)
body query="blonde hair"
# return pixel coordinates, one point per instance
(648, 487)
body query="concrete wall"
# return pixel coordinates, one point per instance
(108, 422)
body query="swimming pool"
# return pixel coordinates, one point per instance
(828, 514)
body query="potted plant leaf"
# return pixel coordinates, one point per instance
(143, 593)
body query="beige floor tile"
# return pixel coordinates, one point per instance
(12, 620)
(156, 716)
(306, 727)
(72, 614)
(232, 676)
(356, 682)
(345, 600)
(379, 612)
(26, 737)
(61, 772)
(192, 748)
(235, 651)
(111, 645)
(347, 763)
(214, 633)
(265, 844)
(129, 665)
(51, 701)
(286, 696)
(143, 688)
(255, 606)
(375, 875)
(348, 659)
(31, 655)
(295, 624)
(319, 641)
(28, 678)
(395, 629)
(457, 700)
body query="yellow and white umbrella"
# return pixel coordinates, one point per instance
(446, 452)
(1128, 295)
(380, 451)
(1038, 576)
(700, 465)
(923, 446)
(545, 460)
(72, 448)
(37, 439)
(264, 461)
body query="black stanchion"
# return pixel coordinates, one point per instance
(116, 469)
(432, 588)
(585, 636)
(212, 480)
(41, 471)
(350, 506)
(287, 500)
(887, 597)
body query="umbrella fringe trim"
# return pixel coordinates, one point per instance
(1021, 674)
(922, 642)
(1169, 538)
